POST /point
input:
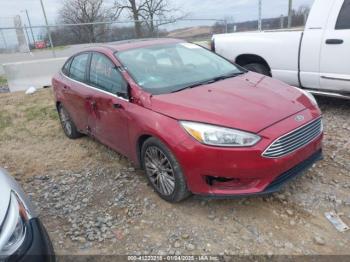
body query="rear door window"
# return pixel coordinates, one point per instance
(65, 68)
(78, 67)
(343, 21)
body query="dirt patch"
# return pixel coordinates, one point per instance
(93, 201)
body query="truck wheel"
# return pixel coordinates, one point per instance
(258, 68)
(163, 171)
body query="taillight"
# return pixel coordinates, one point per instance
(212, 45)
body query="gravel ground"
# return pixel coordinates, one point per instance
(93, 201)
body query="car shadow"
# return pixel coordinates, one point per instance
(330, 103)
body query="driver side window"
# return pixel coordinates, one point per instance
(343, 21)
(104, 75)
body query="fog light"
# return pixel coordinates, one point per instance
(231, 183)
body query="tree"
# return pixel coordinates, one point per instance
(147, 11)
(86, 11)
(134, 8)
(160, 10)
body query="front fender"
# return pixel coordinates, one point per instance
(149, 123)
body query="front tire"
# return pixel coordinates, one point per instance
(163, 171)
(258, 68)
(67, 123)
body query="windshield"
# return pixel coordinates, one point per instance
(170, 68)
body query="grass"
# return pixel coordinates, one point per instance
(32, 140)
(3, 81)
(5, 120)
(55, 48)
(20, 114)
(41, 112)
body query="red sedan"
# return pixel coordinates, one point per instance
(195, 122)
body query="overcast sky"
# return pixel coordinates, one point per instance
(240, 10)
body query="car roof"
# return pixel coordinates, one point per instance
(135, 43)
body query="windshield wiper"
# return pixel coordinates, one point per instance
(195, 85)
(227, 76)
(210, 81)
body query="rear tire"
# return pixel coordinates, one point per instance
(258, 68)
(163, 171)
(67, 123)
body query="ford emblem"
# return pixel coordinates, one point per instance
(299, 118)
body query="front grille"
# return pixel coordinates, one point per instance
(294, 140)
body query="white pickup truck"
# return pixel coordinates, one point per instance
(316, 59)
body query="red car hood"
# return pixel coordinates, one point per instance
(250, 102)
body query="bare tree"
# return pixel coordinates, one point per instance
(86, 11)
(147, 11)
(134, 8)
(160, 10)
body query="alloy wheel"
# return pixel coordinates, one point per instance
(66, 122)
(159, 170)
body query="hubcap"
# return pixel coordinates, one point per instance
(159, 170)
(67, 126)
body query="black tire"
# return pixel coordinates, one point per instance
(180, 191)
(67, 124)
(258, 68)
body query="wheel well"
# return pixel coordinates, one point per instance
(243, 60)
(58, 103)
(139, 145)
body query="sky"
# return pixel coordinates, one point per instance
(240, 10)
(237, 10)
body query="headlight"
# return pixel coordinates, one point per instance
(13, 230)
(219, 136)
(310, 96)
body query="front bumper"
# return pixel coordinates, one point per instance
(36, 247)
(244, 171)
(281, 180)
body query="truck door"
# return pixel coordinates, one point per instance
(335, 51)
(312, 43)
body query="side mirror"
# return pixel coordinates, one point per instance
(125, 90)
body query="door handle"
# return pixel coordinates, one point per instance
(118, 106)
(334, 41)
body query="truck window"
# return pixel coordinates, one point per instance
(343, 21)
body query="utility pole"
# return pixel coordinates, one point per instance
(281, 21)
(3, 38)
(260, 16)
(47, 28)
(290, 6)
(30, 26)
(25, 30)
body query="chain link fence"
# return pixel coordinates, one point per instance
(13, 36)
(18, 37)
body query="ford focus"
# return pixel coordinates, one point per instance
(194, 121)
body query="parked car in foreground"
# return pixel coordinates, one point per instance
(22, 235)
(194, 121)
(316, 59)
